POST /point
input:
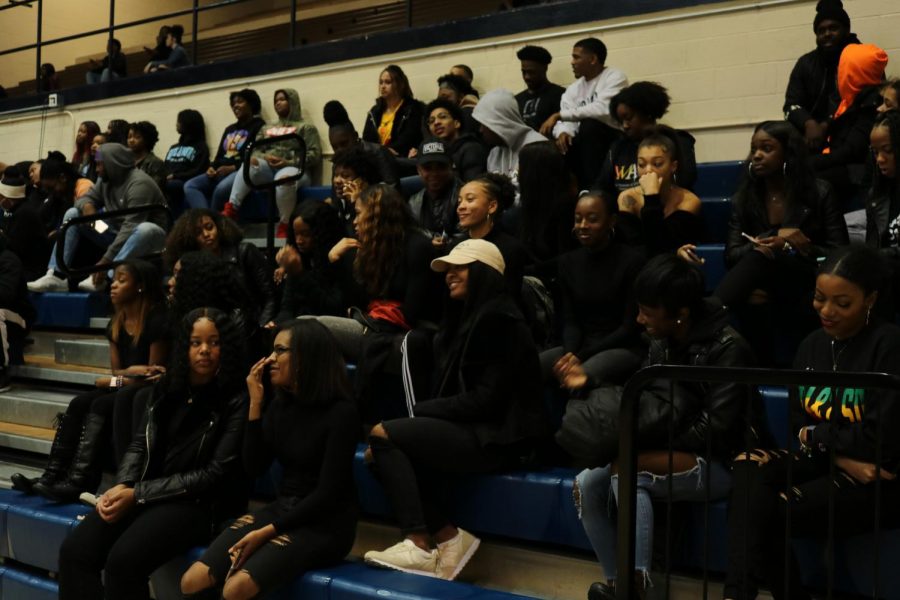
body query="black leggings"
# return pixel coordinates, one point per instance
(287, 556)
(413, 460)
(128, 551)
(758, 508)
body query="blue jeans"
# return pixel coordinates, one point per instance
(146, 238)
(599, 518)
(285, 195)
(199, 189)
(106, 75)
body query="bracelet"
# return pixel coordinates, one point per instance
(116, 382)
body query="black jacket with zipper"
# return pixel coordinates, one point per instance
(821, 220)
(812, 88)
(406, 132)
(201, 465)
(879, 214)
(252, 271)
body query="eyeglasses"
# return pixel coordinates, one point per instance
(279, 350)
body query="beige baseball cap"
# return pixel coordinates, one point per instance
(469, 251)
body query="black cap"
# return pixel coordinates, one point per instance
(831, 10)
(432, 151)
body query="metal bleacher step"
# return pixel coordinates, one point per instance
(26, 437)
(46, 370)
(92, 352)
(33, 406)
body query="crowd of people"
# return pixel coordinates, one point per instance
(552, 246)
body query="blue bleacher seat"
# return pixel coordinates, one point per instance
(318, 192)
(68, 310)
(718, 179)
(18, 584)
(715, 212)
(714, 267)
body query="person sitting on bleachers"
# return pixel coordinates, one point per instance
(312, 522)
(684, 329)
(309, 280)
(120, 186)
(353, 170)
(583, 128)
(280, 161)
(445, 122)
(812, 93)
(844, 162)
(342, 135)
(503, 130)
(178, 56)
(384, 272)
(890, 96)
(204, 229)
(540, 98)
(458, 91)
(16, 312)
(89, 171)
(434, 206)
(839, 424)
(782, 220)
(218, 180)
(883, 204)
(484, 412)
(83, 140)
(187, 158)
(113, 66)
(659, 214)
(172, 486)
(117, 131)
(161, 51)
(596, 302)
(547, 198)
(395, 121)
(138, 335)
(465, 71)
(21, 225)
(63, 187)
(142, 138)
(637, 108)
(482, 202)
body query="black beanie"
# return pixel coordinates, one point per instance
(831, 9)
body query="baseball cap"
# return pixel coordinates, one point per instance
(469, 251)
(432, 151)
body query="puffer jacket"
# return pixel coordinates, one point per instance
(708, 412)
(196, 464)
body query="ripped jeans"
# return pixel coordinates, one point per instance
(598, 516)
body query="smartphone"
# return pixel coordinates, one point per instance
(100, 226)
(751, 238)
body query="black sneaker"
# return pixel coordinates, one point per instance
(601, 591)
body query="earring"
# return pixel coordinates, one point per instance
(784, 168)
(678, 321)
(750, 170)
(140, 290)
(868, 314)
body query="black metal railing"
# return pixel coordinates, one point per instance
(751, 377)
(255, 149)
(92, 218)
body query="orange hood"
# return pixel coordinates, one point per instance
(861, 66)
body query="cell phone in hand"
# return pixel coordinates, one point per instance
(753, 240)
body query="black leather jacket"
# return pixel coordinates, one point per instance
(878, 217)
(822, 222)
(406, 131)
(195, 463)
(717, 411)
(254, 274)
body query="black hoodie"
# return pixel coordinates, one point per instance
(851, 430)
(812, 88)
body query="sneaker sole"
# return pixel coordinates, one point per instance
(465, 559)
(374, 562)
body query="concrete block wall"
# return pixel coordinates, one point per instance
(726, 66)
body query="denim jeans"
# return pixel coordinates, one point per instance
(285, 195)
(146, 238)
(199, 189)
(106, 75)
(599, 518)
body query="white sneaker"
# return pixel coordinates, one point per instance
(87, 285)
(455, 553)
(48, 283)
(407, 557)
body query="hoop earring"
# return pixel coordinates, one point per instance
(868, 314)
(750, 170)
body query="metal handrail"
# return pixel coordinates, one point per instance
(271, 185)
(102, 216)
(628, 432)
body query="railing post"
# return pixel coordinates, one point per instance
(627, 461)
(194, 26)
(293, 24)
(112, 18)
(409, 8)
(40, 27)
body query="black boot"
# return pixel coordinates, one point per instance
(84, 472)
(64, 443)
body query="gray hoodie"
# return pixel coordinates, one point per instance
(498, 111)
(123, 186)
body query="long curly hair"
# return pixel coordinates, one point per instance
(206, 280)
(382, 225)
(326, 226)
(150, 296)
(231, 372)
(183, 237)
(799, 181)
